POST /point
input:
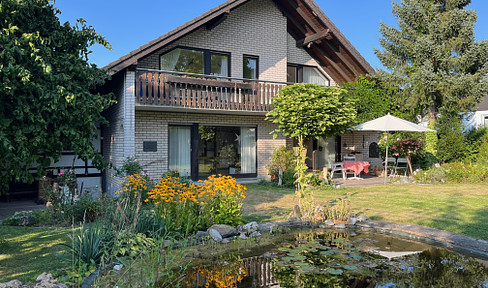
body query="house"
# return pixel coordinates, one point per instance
(479, 117)
(195, 99)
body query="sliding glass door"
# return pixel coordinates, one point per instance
(248, 150)
(180, 149)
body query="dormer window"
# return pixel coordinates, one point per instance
(197, 61)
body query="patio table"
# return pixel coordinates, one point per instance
(356, 167)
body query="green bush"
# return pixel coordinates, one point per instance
(451, 145)
(86, 209)
(283, 158)
(456, 172)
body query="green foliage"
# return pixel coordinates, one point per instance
(284, 159)
(130, 166)
(87, 245)
(474, 141)
(46, 89)
(128, 245)
(451, 145)
(372, 99)
(433, 58)
(455, 172)
(306, 111)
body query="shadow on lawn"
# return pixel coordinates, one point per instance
(473, 224)
(21, 245)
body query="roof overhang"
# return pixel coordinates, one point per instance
(307, 23)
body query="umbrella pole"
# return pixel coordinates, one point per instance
(386, 158)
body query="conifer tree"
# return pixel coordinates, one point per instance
(432, 57)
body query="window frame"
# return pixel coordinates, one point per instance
(207, 59)
(244, 56)
(299, 71)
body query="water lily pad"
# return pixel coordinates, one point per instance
(335, 271)
(355, 256)
(304, 267)
(328, 252)
(349, 267)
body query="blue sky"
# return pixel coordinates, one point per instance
(128, 24)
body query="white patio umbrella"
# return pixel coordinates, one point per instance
(391, 123)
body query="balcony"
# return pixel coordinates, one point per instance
(170, 91)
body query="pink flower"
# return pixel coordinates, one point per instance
(70, 171)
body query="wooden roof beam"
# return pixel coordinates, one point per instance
(313, 38)
(338, 52)
(217, 20)
(305, 17)
(290, 18)
(325, 56)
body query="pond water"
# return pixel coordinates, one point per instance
(337, 258)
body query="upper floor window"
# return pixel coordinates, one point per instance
(485, 122)
(250, 67)
(195, 61)
(305, 74)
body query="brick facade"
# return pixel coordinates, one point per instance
(118, 137)
(354, 142)
(153, 126)
(256, 28)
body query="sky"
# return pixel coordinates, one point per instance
(127, 25)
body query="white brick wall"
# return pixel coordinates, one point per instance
(354, 141)
(118, 137)
(153, 126)
(257, 28)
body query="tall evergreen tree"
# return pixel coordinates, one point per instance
(433, 57)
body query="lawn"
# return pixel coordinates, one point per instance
(459, 208)
(26, 252)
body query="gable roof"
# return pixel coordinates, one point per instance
(483, 106)
(307, 23)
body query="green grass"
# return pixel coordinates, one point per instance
(461, 208)
(26, 252)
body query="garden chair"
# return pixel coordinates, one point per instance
(401, 164)
(337, 167)
(391, 164)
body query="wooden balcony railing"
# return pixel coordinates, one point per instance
(195, 91)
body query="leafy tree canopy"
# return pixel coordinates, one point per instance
(373, 99)
(306, 111)
(433, 57)
(45, 88)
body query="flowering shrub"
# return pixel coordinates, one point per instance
(404, 148)
(189, 206)
(67, 178)
(222, 198)
(135, 185)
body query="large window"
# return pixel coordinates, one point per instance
(226, 150)
(485, 122)
(196, 61)
(250, 67)
(305, 74)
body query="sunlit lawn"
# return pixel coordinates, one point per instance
(26, 252)
(459, 208)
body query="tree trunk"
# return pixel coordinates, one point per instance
(280, 177)
(409, 160)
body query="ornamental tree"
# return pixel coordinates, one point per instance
(46, 82)
(309, 111)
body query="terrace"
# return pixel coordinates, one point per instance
(169, 91)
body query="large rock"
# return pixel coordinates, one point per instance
(267, 226)
(215, 235)
(201, 235)
(224, 230)
(250, 227)
(12, 284)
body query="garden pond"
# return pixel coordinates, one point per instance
(336, 258)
